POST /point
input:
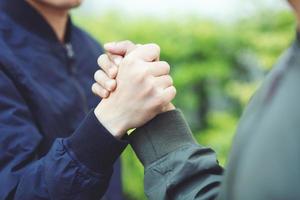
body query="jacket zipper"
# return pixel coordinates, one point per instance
(72, 69)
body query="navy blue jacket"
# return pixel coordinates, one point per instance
(51, 144)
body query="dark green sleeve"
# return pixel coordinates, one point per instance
(176, 167)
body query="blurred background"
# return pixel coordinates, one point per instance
(219, 50)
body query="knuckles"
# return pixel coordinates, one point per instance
(169, 80)
(154, 47)
(166, 66)
(128, 43)
(139, 70)
(172, 92)
(140, 76)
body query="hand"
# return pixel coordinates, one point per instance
(105, 77)
(144, 88)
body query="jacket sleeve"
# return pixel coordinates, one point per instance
(78, 167)
(176, 167)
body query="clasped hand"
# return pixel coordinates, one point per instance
(134, 86)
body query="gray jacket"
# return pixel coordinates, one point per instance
(265, 158)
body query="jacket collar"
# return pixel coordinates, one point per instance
(29, 18)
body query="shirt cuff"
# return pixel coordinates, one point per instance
(164, 134)
(94, 145)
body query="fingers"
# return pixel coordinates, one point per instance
(119, 48)
(108, 66)
(159, 68)
(116, 59)
(169, 94)
(100, 91)
(102, 79)
(147, 52)
(168, 91)
(164, 81)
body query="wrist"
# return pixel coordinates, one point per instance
(115, 125)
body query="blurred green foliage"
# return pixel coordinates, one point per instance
(216, 68)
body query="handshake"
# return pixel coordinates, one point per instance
(134, 84)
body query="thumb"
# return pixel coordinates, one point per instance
(119, 48)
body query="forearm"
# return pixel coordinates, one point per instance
(176, 167)
(59, 175)
(78, 167)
